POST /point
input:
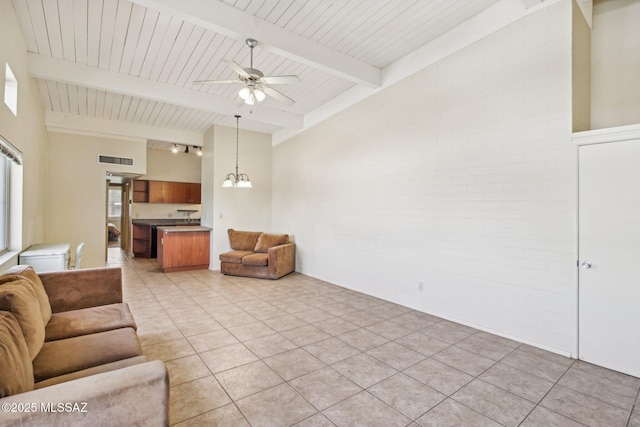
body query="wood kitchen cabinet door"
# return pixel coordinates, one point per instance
(169, 192)
(195, 193)
(181, 192)
(156, 190)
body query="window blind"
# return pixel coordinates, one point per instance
(9, 151)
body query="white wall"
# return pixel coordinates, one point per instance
(76, 189)
(615, 42)
(237, 208)
(206, 218)
(27, 132)
(461, 178)
(163, 165)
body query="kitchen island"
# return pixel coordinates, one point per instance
(182, 248)
(145, 233)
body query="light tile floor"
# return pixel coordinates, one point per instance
(300, 351)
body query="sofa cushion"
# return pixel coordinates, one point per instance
(61, 357)
(19, 298)
(27, 272)
(266, 241)
(16, 371)
(92, 371)
(68, 324)
(256, 259)
(234, 257)
(243, 240)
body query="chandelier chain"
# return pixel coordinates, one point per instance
(237, 138)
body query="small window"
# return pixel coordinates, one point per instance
(10, 196)
(4, 202)
(11, 90)
(115, 201)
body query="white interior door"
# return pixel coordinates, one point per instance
(609, 248)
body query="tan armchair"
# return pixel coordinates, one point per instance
(257, 254)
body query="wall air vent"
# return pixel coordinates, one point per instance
(115, 160)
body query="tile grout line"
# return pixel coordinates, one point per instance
(633, 408)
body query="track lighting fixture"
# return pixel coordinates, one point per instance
(176, 148)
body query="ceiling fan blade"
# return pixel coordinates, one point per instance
(237, 68)
(208, 82)
(280, 80)
(277, 95)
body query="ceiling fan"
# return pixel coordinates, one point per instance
(257, 85)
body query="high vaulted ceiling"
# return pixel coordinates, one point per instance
(131, 65)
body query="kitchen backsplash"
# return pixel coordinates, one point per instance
(163, 210)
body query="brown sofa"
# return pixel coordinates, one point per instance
(69, 353)
(257, 254)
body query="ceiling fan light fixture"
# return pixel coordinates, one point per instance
(259, 94)
(256, 86)
(244, 93)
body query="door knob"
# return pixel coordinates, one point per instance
(586, 265)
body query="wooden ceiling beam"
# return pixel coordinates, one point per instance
(45, 67)
(105, 128)
(234, 23)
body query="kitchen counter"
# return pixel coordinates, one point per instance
(183, 228)
(165, 221)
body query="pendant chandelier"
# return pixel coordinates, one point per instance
(238, 180)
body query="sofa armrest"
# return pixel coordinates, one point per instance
(282, 260)
(76, 289)
(136, 395)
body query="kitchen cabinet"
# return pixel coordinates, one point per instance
(182, 248)
(169, 192)
(156, 194)
(141, 191)
(142, 240)
(179, 192)
(145, 243)
(195, 193)
(186, 192)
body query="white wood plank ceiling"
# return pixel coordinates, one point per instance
(136, 61)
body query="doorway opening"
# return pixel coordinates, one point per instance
(114, 215)
(118, 211)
